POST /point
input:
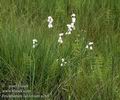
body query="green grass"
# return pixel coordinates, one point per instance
(88, 75)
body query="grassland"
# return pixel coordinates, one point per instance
(88, 74)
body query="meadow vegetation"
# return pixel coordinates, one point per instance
(88, 74)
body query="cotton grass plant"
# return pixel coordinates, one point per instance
(85, 74)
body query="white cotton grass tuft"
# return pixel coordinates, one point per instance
(67, 33)
(71, 26)
(50, 22)
(60, 40)
(69, 29)
(73, 15)
(73, 18)
(35, 43)
(90, 43)
(35, 40)
(63, 59)
(73, 21)
(63, 62)
(89, 46)
(61, 34)
(50, 25)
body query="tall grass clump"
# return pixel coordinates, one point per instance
(85, 74)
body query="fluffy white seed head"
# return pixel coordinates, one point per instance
(87, 47)
(50, 25)
(61, 64)
(50, 19)
(61, 34)
(69, 25)
(73, 19)
(68, 33)
(63, 59)
(34, 43)
(34, 46)
(73, 26)
(60, 40)
(35, 40)
(91, 48)
(90, 43)
(65, 62)
(73, 15)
